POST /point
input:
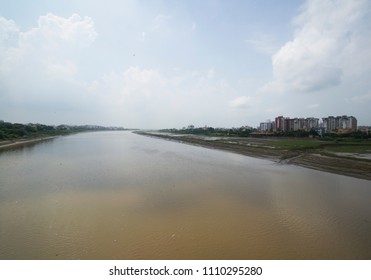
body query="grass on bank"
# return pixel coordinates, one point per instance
(302, 145)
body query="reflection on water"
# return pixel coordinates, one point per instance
(117, 195)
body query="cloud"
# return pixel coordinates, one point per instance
(241, 102)
(263, 43)
(161, 21)
(55, 32)
(149, 98)
(144, 35)
(362, 98)
(9, 33)
(312, 106)
(9, 36)
(54, 39)
(42, 79)
(330, 36)
(38, 66)
(133, 83)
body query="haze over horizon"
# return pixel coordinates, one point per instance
(164, 64)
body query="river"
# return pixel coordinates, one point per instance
(118, 195)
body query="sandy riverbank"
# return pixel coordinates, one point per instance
(309, 158)
(5, 145)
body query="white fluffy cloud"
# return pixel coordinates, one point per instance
(150, 98)
(331, 43)
(131, 86)
(40, 76)
(50, 47)
(55, 38)
(148, 69)
(55, 32)
(8, 32)
(38, 67)
(241, 102)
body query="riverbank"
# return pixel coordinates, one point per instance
(10, 144)
(309, 153)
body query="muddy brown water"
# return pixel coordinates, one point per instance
(118, 195)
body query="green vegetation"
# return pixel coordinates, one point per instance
(210, 131)
(351, 136)
(358, 148)
(340, 154)
(297, 133)
(281, 145)
(14, 131)
(354, 136)
(294, 144)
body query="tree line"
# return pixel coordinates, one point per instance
(210, 131)
(248, 131)
(11, 131)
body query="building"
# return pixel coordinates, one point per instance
(311, 123)
(266, 126)
(352, 123)
(343, 123)
(329, 124)
(280, 123)
(295, 124)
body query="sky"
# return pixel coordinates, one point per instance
(169, 64)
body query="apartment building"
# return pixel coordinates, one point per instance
(280, 123)
(329, 124)
(332, 124)
(267, 126)
(294, 124)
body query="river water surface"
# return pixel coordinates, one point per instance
(118, 195)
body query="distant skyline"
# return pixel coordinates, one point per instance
(164, 64)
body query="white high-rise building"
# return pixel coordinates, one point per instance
(332, 123)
